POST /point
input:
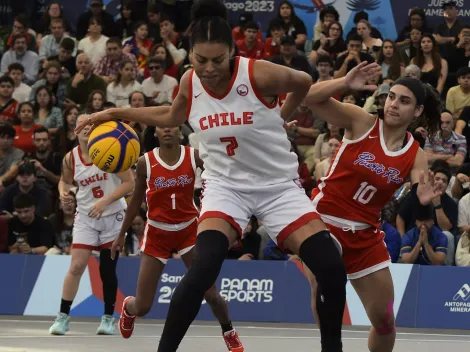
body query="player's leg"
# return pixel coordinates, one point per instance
(313, 286)
(376, 293)
(289, 217)
(216, 232)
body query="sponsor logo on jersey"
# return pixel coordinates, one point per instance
(95, 178)
(461, 301)
(242, 90)
(162, 182)
(247, 291)
(367, 159)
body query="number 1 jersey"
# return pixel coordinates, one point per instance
(363, 177)
(94, 185)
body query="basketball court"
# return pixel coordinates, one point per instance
(23, 334)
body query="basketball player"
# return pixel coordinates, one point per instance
(165, 177)
(100, 211)
(249, 169)
(375, 158)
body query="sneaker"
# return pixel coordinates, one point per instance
(61, 325)
(126, 322)
(233, 341)
(107, 325)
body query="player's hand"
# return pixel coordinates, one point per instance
(290, 124)
(94, 120)
(25, 248)
(357, 78)
(422, 131)
(97, 210)
(426, 191)
(247, 256)
(118, 245)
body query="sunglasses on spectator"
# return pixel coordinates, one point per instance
(151, 68)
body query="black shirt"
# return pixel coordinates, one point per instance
(62, 234)
(109, 27)
(363, 56)
(446, 50)
(69, 65)
(36, 234)
(297, 62)
(52, 163)
(465, 117)
(42, 198)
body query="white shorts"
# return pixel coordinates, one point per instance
(283, 208)
(96, 234)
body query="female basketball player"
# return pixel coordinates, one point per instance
(249, 169)
(373, 161)
(165, 177)
(100, 211)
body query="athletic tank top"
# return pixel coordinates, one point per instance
(170, 189)
(94, 185)
(242, 139)
(363, 177)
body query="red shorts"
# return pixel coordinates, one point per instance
(364, 251)
(160, 243)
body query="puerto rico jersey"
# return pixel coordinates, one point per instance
(363, 177)
(170, 189)
(242, 139)
(94, 185)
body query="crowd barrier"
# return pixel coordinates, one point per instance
(256, 291)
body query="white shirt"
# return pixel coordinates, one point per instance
(464, 211)
(119, 95)
(21, 93)
(94, 50)
(165, 87)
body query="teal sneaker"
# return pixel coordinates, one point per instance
(107, 325)
(61, 325)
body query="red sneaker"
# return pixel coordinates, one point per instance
(126, 322)
(233, 341)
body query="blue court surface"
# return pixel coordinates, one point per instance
(30, 334)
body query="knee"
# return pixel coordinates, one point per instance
(77, 268)
(212, 297)
(382, 319)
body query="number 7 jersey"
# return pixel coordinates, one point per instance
(363, 177)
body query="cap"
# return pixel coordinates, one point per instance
(27, 168)
(463, 71)
(244, 18)
(96, 2)
(449, 4)
(383, 89)
(287, 40)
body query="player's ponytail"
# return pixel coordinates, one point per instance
(209, 23)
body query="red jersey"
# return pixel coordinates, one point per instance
(256, 52)
(170, 189)
(8, 111)
(271, 49)
(363, 177)
(237, 34)
(24, 139)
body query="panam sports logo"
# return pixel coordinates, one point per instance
(247, 291)
(461, 301)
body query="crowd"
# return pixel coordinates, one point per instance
(51, 74)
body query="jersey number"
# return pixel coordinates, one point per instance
(232, 144)
(173, 201)
(97, 192)
(365, 193)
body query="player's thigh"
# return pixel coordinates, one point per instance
(85, 233)
(224, 209)
(111, 226)
(79, 260)
(311, 279)
(149, 273)
(186, 239)
(288, 215)
(377, 295)
(158, 243)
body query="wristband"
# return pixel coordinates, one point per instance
(438, 206)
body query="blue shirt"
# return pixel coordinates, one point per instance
(437, 240)
(392, 240)
(273, 252)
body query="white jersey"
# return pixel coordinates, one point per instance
(94, 185)
(242, 139)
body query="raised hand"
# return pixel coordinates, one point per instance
(357, 78)
(93, 120)
(426, 191)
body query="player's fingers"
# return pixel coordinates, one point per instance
(421, 177)
(361, 65)
(371, 87)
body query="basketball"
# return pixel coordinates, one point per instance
(113, 146)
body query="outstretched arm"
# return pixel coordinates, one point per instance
(424, 178)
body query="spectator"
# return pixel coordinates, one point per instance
(446, 144)
(8, 105)
(3, 234)
(108, 66)
(409, 52)
(96, 101)
(153, 23)
(237, 31)
(126, 22)
(346, 62)
(463, 127)
(20, 54)
(161, 51)
(21, 90)
(428, 55)
(417, 21)
(290, 58)
(272, 252)
(94, 44)
(83, 83)
(9, 155)
(24, 131)
(28, 233)
(425, 244)
(45, 113)
(50, 43)
(461, 55)
(53, 12)
(158, 87)
(62, 226)
(118, 91)
(459, 97)
(392, 237)
(109, 28)
(305, 175)
(370, 44)
(272, 46)
(293, 25)
(135, 234)
(329, 45)
(413, 71)
(26, 184)
(250, 46)
(65, 58)
(362, 15)
(462, 256)
(390, 60)
(322, 148)
(324, 68)
(54, 82)
(447, 32)
(328, 15)
(65, 139)
(321, 168)
(461, 186)
(21, 26)
(376, 102)
(139, 45)
(176, 43)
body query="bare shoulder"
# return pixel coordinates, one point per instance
(184, 83)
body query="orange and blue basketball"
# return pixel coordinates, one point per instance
(113, 147)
